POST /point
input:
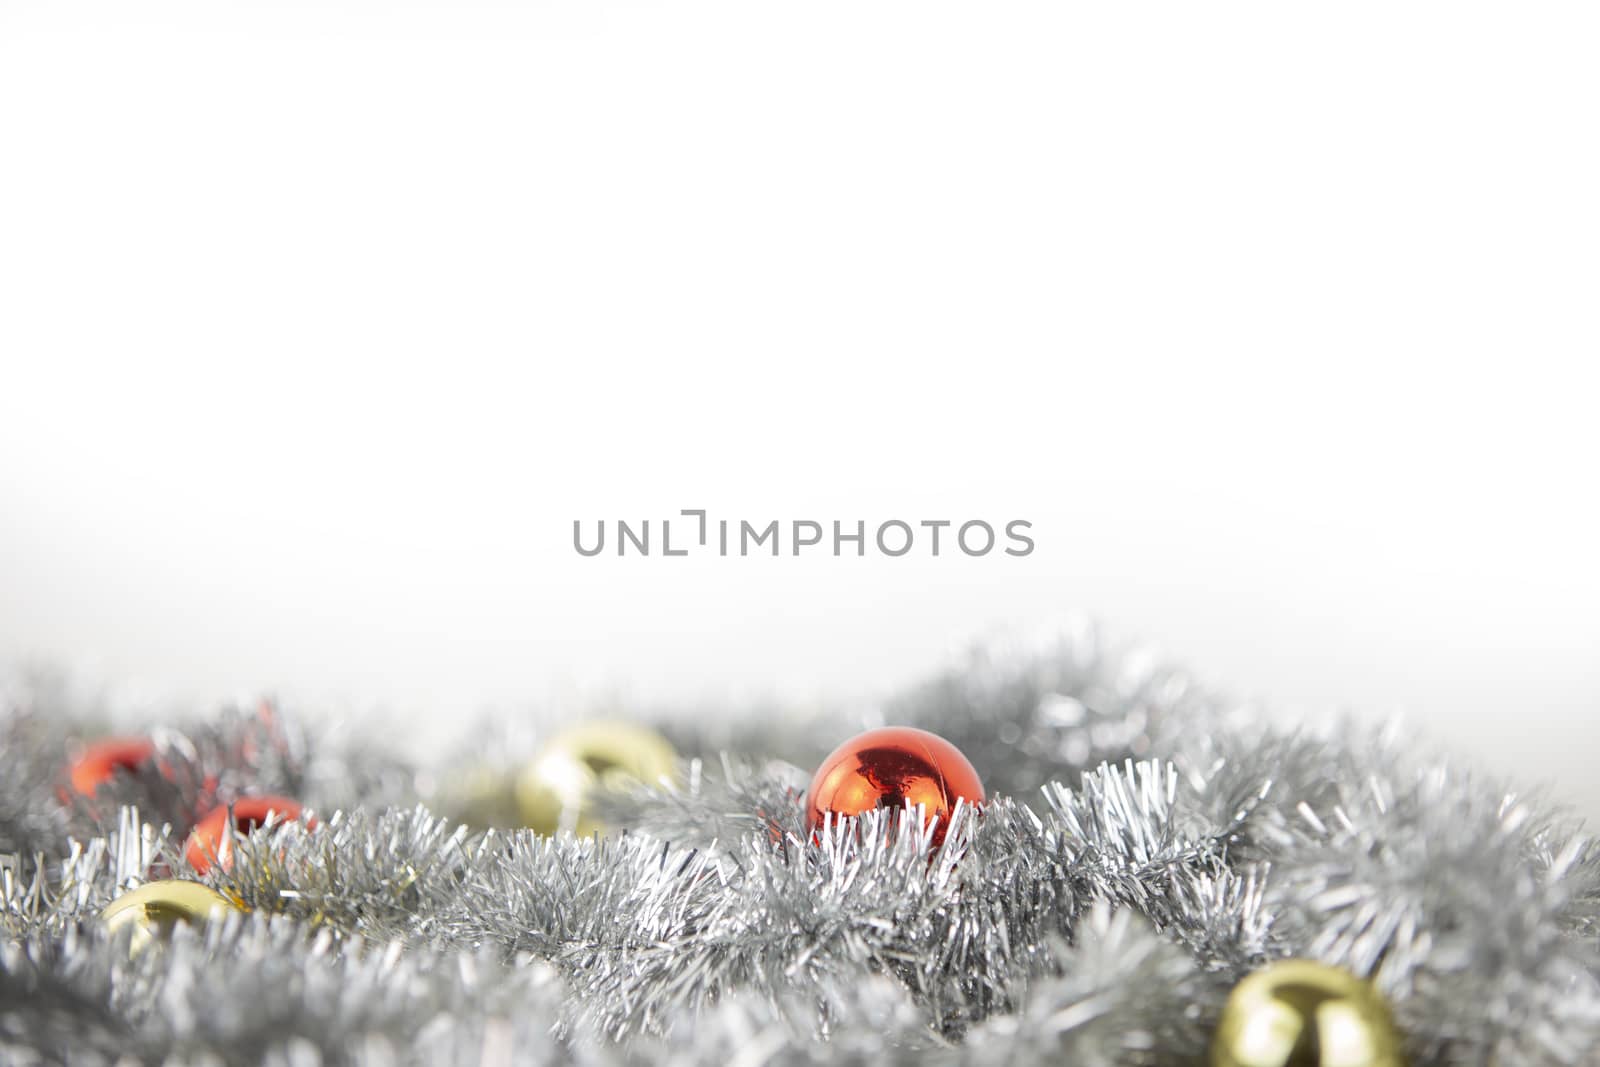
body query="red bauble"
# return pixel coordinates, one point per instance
(103, 759)
(208, 843)
(889, 768)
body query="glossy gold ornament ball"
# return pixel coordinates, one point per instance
(1300, 1013)
(558, 789)
(153, 909)
(480, 796)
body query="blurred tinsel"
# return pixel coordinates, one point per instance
(1144, 846)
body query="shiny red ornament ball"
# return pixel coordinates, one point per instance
(100, 761)
(208, 843)
(888, 768)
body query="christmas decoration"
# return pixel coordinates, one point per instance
(561, 788)
(211, 840)
(153, 909)
(1143, 849)
(1299, 1013)
(481, 796)
(893, 767)
(101, 760)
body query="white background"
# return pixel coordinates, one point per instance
(321, 322)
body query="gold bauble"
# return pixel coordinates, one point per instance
(153, 909)
(558, 789)
(481, 796)
(1300, 1013)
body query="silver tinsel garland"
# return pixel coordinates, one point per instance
(1143, 847)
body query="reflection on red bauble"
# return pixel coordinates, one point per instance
(208, 843)
(889, 768)
(103, 759)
